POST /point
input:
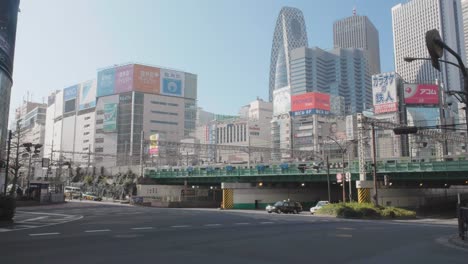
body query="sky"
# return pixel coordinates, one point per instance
(226, 43)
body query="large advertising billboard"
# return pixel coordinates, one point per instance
(310, 103)
(8, 18)
(154, 145)
(87, 95)
(146, 79)
(384, 92)
(106, 82)
(421, 94)
(172, 83)
(281, 101)
(110, 118)
(124, 78)
(69, 97)
(423, 116)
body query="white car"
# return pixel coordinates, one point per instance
(319, 205)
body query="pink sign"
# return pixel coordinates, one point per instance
(385, 108)
(422, 94)
(124, 79)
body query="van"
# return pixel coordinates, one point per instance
(73, 192)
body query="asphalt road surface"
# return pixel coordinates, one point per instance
(93, 232)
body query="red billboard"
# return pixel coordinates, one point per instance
(146, 79)
(309, 101)
(421, 94)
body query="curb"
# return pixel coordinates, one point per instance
(456, 240)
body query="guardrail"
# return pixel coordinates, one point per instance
(462, 213)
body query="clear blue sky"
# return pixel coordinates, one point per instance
(226, 43)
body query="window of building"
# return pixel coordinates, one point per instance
(99, 140)
(164, 113)
(86, 133)
(158, 102)
(87, 118)
(164, 122)
(99, 121)
(99, 150)
(85, 149)
(86, 141)
(88, 125)
(172, 104)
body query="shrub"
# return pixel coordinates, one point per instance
(364, 210)
(7, 208)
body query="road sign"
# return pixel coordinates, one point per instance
(339, 177)
(348, 176)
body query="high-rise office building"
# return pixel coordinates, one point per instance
(411, 21)
(290, 33)
(358, 32)
(339, 72)
(464, 6)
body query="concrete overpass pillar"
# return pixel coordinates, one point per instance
(363, 186)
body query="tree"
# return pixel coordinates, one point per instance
(16, 159)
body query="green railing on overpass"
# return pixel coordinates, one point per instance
(297, 172)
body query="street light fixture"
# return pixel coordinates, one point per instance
(32, 154)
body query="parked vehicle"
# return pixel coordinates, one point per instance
(285, 207)
(91, 196)
(319, 205)
(73, 192)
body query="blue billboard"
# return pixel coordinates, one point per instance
(70, 93)
(106, 82)
(172, 87)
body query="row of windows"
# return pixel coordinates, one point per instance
(164, 103)
(231, 133)
(164, 113)
(164, 122)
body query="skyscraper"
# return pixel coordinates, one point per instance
(358, 32)
(410, 22)
(290, 33)
(464, 6)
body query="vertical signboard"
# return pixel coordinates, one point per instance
(124, 79)
(106, 82)
(110, 118)
(154, 148)
(87, 95)
(146, 79)
(172, 83)
(350, 127)
(384, 93)
(69, 97)
(8, 19)
(421, 94)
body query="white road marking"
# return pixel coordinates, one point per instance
(142, 228)
(264, 223)
(98, 230)
(242, 223)
(180, 226)
(4, 230)
(345, 228)
(45, 234)
(34, 219)
(343, 235)
(212, 224)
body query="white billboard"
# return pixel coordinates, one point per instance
(172, 83)
(384, 92)
(87, 95)
(281, 101)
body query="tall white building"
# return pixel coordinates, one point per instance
(358, 32)
(411, 21)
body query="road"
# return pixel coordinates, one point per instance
(93, 232)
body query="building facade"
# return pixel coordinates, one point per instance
(290, 33)
(135, 100)
(339, 72)
(358, 32)
(410, 22)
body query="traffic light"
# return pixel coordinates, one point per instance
(404, 130)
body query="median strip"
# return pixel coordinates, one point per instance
(44, 234)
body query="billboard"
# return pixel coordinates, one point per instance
(154, 147)
(146, 79)
(124, 79)
(172, 83)
(423, 116)
(8, 18)
(384, 93)
(69, 97)
(106, 82)
(87, 95)
(421, 94)
(310, 103)
(110, 117)
(334, 127)
(281, 101)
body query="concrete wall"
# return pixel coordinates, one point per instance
(169, 193)
(415, 198)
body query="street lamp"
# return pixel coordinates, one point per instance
(436, 46)
(343, 151)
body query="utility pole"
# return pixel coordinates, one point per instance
(350, 181)
(374, 160)
(7, 167)
(89, 159)
(328, 180)
(141, 152)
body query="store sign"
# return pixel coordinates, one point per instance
(421, 94)
(384, 92)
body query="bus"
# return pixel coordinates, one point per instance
(73, 192)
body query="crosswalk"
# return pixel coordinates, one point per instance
(28, 220)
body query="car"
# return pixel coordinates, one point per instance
(319, 205)
(91, 196)
(284, 207)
